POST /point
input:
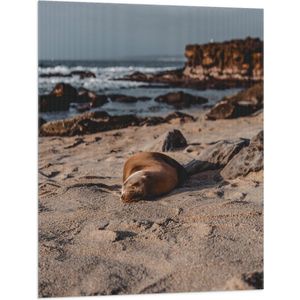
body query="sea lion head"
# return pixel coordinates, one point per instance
(134, 187)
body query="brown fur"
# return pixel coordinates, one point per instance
(150, 174)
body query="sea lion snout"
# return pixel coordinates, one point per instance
(133, 188)
(131, 195)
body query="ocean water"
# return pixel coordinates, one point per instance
(104, 83)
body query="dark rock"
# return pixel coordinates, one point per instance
(88, 123)
(181, 99)
(137, 76)
(64, 94)
(59, 99)
(170, 118)
(64, 90)
(52, 103)
(222, 110)
(64, 127)
(161, 77)
(83, 74)
(216, 155)
(173, 141)
(92, 122)
(241, 104)
(88, 126)
(249, 159)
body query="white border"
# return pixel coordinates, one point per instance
(18, 125)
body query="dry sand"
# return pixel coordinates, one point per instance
(206, 235)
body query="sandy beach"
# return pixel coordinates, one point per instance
(206, 235)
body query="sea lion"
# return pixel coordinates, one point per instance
(150, 174)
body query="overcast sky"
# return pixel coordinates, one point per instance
(118, 31)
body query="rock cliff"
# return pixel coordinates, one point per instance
(229, 64)
(235, 59)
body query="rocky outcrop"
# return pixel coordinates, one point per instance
(229, 64)
(242, 104)
(173, 77)
(233, 158)
(92, 122)
(216, 155)
(249, 159)
(236, 59)
(181, 100)
(177, 79)
(64, 94)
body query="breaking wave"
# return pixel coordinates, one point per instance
(104, 77)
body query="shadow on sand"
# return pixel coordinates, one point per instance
(201, 175)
